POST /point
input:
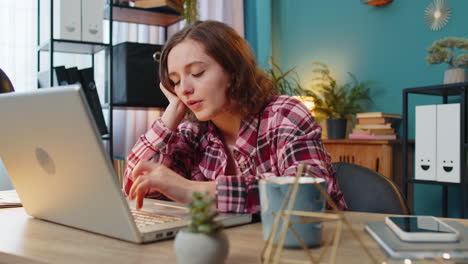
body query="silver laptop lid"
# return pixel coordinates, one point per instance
(55, 158)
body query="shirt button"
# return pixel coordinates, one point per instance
(242, 165)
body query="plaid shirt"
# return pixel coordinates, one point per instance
(269, 144)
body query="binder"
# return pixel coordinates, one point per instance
(89, 87)
(425, 145)
(60, 77)
(448, 143)
(73, 75)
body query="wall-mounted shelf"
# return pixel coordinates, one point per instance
(157, 16)
(378, 2)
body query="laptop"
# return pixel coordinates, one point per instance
(55, 157)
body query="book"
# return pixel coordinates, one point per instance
(400, 249)
(371, 136)
(9, 199)
(384, 131)
(376, 120)
(374, 126)
(174, 4)
(377, 114)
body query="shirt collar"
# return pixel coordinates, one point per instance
(247, 138)
(246, 142)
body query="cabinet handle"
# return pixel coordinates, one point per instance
(377, 164)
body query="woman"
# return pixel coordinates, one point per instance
(237, 132)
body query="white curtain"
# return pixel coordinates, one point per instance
(18, 41)
(130, 124)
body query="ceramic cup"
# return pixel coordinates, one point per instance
(272, 194)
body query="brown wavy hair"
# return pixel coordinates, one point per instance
(250, 88)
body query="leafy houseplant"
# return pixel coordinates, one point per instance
(443, 51)
(203, 241)
(337, 103)
(283, 82)
(190, 11)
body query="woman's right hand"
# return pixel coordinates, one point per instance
(175, 111)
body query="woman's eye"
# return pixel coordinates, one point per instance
(198, 74)
(175, 83)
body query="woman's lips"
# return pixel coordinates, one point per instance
(195, 105)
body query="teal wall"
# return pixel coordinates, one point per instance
(385, 44)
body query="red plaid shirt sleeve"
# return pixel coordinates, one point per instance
(157, 144)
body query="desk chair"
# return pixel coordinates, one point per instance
(365, 190)
(5, 83)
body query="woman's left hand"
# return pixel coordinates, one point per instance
(148, 174)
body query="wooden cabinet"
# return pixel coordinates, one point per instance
(382, 156)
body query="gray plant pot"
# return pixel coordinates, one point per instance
(195, 248)
(336, 128)
(455, 75)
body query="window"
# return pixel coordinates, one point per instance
(18, 20)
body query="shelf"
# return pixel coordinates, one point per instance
(363, 141)
(157, 16)
(439, 90)
(378, 2)
(433, 182)
(73, 46)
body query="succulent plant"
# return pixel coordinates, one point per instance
(202, 215)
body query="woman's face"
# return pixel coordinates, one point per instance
(199, 81)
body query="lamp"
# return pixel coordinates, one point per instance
(308, 101)
(5, 84)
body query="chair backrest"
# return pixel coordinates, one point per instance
(365, 190)
(5, 83)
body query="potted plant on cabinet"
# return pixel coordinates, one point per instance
(203, 242)
(337, 103)
(443, 50)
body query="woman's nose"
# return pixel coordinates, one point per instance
(187, 87)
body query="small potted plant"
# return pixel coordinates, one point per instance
(443, 50)
(337, 103)
(203, 241)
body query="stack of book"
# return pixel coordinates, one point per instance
(375, 125)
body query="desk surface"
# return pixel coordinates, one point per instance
(38, 241)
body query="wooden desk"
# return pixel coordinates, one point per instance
(37, 240)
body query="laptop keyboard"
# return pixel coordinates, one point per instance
(143, 218)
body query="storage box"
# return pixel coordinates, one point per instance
(448, 143)
(426, 142)
(93, 15)
(136, 76)
(67, 19)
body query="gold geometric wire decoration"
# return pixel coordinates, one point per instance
(437, 14)
(272, 253)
